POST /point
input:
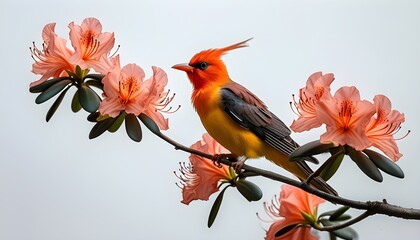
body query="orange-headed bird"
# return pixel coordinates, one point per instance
(238, 119)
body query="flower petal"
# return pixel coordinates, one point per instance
(383, 126)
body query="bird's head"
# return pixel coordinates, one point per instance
(207, 68)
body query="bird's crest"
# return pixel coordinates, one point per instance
(216, 53)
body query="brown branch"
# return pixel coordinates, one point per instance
(371, 207)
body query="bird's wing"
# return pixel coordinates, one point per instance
(250, 112)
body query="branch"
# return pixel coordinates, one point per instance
(371, 207)
(346, 224)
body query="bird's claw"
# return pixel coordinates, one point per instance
(217, 157)
(237, 166)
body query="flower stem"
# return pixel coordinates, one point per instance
(357, 219)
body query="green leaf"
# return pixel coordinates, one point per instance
(365, 164)
(94, 83)
(328, 213)
(344, 233)
(332, 236)
(100, 127)
(75, 103)
(96, 77)
(343, 217)
(52, 91)
(93, 117)
(338, 213)
(249, 190)
(56, 104)
(117, 124)
(286, 229)
(310, 149)
(215, 208)
(48, 83)
(78, 71)
(132, 126)
(384, 163)
(331, 168)
(88, 99)
(149, 123)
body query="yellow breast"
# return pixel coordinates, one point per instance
(222, 128)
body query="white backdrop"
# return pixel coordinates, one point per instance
(57, 184)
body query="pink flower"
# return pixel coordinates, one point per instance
(287, 210)
(383, 126)
(346, 118)
(158, 99)
(317, 88)
(124, 90)
(91, 45)
(53, 59)
(201, 177)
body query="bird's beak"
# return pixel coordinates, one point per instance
(183, 67)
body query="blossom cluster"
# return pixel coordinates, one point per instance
(125, 89)
(348, 119)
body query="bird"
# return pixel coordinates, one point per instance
(237, 119)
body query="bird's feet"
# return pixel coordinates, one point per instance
(217, 157)
(237, 166)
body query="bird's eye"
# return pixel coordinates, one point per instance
(203, 65)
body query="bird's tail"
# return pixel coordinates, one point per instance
(301, 170)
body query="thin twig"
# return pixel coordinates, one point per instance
(346, 224)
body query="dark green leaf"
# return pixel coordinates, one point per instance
(118, 122)
(365, 164)
(343, 217)
(286, 229)
(78, 71)
(96, 77)
(93, 117)
(149, 123)
(332, 236)
(331, 168)
(344, 233)
(338, 213)
(310, 149)
(94, 83)
(75, 103)
(56, 104)
(384, 163)
(48, 83)
(249, 190)
(328, 213)
(132, 126)
(88, 99)
(100, 127)
(215, 208)
(52, 91)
